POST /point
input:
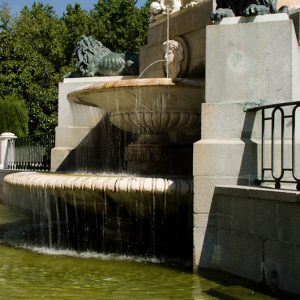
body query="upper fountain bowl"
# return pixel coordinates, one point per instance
(151, 106)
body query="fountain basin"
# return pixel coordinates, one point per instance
(96, 193)
(152, 106)
(112, 214)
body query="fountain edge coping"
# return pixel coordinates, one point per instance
(115, 184)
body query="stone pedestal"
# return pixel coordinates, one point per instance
(252, 60)
(75, 121)
(249, 62)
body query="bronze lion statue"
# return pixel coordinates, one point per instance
(93, 59)
(247, 8)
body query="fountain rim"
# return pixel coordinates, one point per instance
(139, 83)
(169, 185)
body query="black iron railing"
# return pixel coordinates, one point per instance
(31, 153)
(280, 143)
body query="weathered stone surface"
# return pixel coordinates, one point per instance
(262, 241)
(228, 121)
(282, 265)
(240, 254)
(254, 217)
(258, 193)
(212, 157)
(242, 60)
(213, 221)
(288, 222)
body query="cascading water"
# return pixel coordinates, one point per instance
(128, 215)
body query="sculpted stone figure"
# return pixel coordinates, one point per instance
(173, 56)
(232, 8)
(160, 8)
(94, 59)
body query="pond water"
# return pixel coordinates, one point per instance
(41, 273)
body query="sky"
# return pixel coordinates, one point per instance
(58, 5)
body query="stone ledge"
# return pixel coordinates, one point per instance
(107, 183)
(96, 79)
(259, 193)
(254, 19)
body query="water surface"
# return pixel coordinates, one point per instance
(41, 273)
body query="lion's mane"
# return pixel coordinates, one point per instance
(88, 52)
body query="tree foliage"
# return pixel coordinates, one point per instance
(13, 116)
(120, 25)
(36, 49)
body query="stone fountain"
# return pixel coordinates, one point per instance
(153, 109)
(137, 134)
(162, 117)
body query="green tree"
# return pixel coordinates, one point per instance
(36, 49)
(119, 24)
(13, 116)
(5, 15)
(31, 63)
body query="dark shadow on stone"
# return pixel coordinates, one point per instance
(248, 169)
(235, 252)
(295, 17)
(230, 284)
(102, 150)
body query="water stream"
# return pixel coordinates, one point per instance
(28, 272)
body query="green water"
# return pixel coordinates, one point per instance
(29, 274)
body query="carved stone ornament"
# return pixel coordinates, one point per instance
(159, 8)
(175, 57)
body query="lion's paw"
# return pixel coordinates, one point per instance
(254, 10)
(221, 13)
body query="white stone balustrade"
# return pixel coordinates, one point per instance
(6, 152)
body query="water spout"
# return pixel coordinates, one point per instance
(155, 62)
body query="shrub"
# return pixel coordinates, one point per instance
(13, 116)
